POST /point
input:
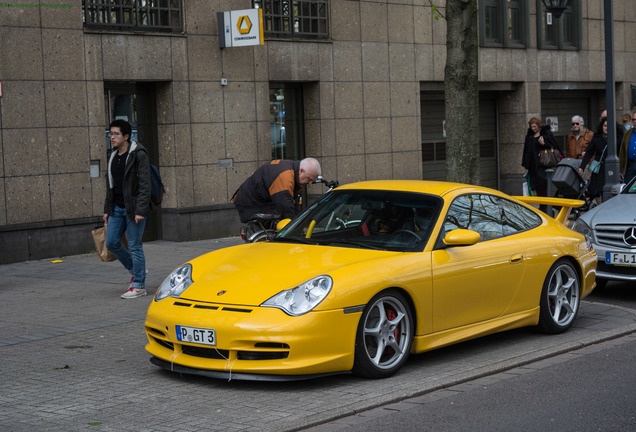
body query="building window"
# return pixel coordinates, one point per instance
(289, 18)
(144, 15)
(564, 33)
(503, 23)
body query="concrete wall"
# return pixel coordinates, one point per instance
(361, 93)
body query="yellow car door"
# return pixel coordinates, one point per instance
(477, 282)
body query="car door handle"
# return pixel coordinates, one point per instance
(517, 258)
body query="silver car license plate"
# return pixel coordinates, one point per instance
(620, 259)
(196, 335)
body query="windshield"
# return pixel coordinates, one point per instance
(631, 187)
(370, 219)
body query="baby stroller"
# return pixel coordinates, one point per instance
(570, 184)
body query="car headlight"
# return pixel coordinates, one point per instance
(303, 298)
(175, 284)
(581, 227)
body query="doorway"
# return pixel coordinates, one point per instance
(286, 121)
(135, 103)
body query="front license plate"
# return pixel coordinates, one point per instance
(620, 259)
(196, 335)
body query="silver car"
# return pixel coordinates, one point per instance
(611, 228)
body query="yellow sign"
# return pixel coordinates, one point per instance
(240, 28)
(244, 24)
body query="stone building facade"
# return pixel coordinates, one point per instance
(362, 92)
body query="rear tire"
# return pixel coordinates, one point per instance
(560, 298)
(384, 336)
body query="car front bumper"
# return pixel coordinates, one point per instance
(616, 273)
(251, 340)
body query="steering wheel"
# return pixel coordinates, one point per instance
(341, 224)
(408, 231)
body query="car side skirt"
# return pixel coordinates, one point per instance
(448, 337)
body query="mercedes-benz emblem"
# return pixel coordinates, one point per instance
(630, 236)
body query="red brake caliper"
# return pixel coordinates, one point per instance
(391, 315)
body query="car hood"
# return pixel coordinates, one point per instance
(250, 274)
(620, 209)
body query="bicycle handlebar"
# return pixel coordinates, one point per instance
(330, 184)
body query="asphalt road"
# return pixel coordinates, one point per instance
(593, 389)
(616, 293)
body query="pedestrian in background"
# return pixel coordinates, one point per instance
(578, 139)
(597, 150)
(538, 138)
(627, 154)
(627, 122)
(620, 131)
(127, 204)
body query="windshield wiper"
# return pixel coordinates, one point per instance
(295, 240)
(353, 243)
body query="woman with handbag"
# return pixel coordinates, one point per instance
(540, 152)
(597, 149)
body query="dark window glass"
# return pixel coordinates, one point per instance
(289, 18)
(503, 23)
(560, 33)
(144, 15)
(517, 218)
(476, 212)
(491, 216)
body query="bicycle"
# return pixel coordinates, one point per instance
(262, 226)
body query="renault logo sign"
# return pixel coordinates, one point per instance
(240, 28)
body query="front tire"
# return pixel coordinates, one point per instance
(384, 336)
(560, 298)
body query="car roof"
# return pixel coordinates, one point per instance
(440, 188)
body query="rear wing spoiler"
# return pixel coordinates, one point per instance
(565, 204)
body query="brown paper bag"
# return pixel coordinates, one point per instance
(99, 237)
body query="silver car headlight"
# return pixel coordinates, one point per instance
(303, 298)
(175, 284)
(581, 227)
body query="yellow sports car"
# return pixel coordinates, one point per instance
(370, 273)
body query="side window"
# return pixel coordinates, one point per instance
(476, 212)
(564, 33)
(504, 23)
(516, 218)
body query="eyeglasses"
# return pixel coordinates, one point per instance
(576, 124)
(634, 119)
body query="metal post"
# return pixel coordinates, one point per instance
(611, 160)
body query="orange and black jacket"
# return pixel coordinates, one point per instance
(275, 182)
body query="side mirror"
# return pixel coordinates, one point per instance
(618, 188)
(461, 237)
(282, 224)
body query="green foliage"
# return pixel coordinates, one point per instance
(437, 14)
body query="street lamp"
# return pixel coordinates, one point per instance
(556, 7)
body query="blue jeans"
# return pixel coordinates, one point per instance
(133, 258)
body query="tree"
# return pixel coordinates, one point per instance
(461, 86)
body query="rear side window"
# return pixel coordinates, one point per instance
(491, 216)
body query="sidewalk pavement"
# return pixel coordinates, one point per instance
(72, 358)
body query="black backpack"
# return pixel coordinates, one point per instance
(157, 190)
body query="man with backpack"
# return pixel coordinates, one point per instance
(128, 204)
